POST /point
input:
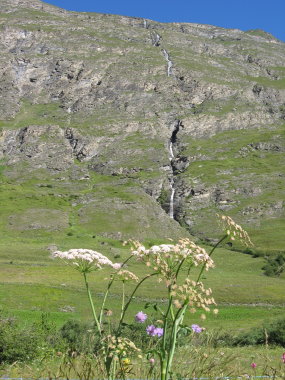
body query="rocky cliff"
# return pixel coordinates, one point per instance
(122, 127)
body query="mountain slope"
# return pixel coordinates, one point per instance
(107, 119)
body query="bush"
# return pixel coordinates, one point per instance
(271, 333)
(79, 337)
(16, 344)
(276, 332)
(275, 265)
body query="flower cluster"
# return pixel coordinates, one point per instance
(193, 294)
(166, 258)
(126, 275)
(121, 347)
(234, 230)
(85, 260)
(154, 331)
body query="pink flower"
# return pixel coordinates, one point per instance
(140, 317)
(283, 357)
(253, 365)
(196, 328)
(150, 330)
(154, 331)
(158, 331)
(151, 361)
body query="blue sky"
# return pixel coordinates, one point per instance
(268, 15)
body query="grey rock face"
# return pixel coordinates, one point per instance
(89, 93)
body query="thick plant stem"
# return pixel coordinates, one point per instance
(178, 320)
(92, 304)
(165, 320)
(163, 370)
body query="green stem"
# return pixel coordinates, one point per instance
(163, 366)
(104, 300)
(108, 289)
(178, 319)
(210, 254)
(92, 304)
(123, 299)
(130, 300)
(178, 269)
(165, 318)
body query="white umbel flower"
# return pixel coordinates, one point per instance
(85, 260)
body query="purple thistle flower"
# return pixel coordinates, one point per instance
(158, 331)
(154, 331)
(196, 328)
(150, 330)
(140, 317)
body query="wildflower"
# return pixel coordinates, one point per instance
(126, 362)
(154, 331)
(193, 294)
(140, 317)
(253, 365)
(126, 275)
(120, 346)
(85, 260)
(108, 312)
(151, 361)
(165, 259)
(158, 331)
(283, 357)
(117, 265)
(150, 330)
(234, 230)
(196, 328)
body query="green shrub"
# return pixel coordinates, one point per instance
(271, 333)
(17, 344)
(79, 337)
(274, 265)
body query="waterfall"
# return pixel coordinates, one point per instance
(169, 62)
(171, 150)
(172, 188)
(171, 203)
(173, 139)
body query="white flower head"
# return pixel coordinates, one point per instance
(85, 260)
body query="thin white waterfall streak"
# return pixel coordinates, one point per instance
(171, 150)
(171, 203)
(172, 188)
(169, 62)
